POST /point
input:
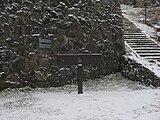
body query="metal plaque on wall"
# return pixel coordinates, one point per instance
(45, 42)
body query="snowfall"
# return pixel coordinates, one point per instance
(112, 97)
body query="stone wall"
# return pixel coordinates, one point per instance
(33, 32)
(137, 72)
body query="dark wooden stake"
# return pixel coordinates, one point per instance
(80, 60)
(80, 78)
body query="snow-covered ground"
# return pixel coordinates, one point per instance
(110, 98)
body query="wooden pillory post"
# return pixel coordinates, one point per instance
(79, 60)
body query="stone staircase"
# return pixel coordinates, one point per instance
(143, 46)
(147, 69)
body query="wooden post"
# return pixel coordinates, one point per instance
(80, 78)
(79, 60)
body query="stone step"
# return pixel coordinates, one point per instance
(140, 38)
(138, 41)
(142, 43)
(158, 59)
(137, 46)
(147, 48)
(133, 33)
(133, 39)
(149, 54)
(148, 51)
(152, 57)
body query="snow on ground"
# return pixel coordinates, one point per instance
(110, 98)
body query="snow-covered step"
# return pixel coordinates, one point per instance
(136, 46)
(132, 43)
(149, 54)
(152, 57)
(133, 33)
(141, 38)
(148, 51)
(129, 36)
(147, 48)
(158, 59)
(135, 36)
(138, 40)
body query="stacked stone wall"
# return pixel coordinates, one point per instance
(137, 72)
(66, 27)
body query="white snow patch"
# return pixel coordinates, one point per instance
(151, 116)
(108, 98)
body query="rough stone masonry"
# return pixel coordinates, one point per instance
(33, 32)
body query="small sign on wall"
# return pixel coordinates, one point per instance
(45, 42)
